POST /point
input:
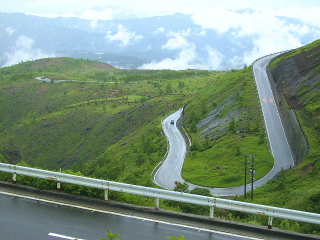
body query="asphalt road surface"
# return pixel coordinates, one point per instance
(31, 219)
(170, 170)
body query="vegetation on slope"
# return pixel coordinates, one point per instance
(105, 124)
(299, 188)
(233, 128)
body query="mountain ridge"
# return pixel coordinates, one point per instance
(153, 42)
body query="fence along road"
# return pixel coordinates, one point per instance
(163, 194)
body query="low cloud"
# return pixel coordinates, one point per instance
(105, 14)
(23, 51)
(188, 58)
(123, 36)
(177, 40)
(184, 60)
(159, 30)
(215, 58)
(10, 31)
(268, 32)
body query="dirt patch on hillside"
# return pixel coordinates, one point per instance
(101, 65)
(47, 62)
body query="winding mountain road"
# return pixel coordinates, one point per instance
(170, 169)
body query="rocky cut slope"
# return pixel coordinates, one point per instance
(297, 79)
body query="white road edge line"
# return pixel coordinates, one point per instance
(63, 236)
(130, 216)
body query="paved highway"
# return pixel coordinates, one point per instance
(170, 170)
(23, 218)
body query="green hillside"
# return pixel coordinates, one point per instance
(297, 77)
(299, 188)
(105, 122)
(216, 157)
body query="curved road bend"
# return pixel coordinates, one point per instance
(170, 170)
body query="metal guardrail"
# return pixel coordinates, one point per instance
(164, 194)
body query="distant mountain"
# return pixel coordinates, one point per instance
(173, 41)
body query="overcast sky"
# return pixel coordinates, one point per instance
(270, 34)
(308, 10)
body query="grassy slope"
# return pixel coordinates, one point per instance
(218, 161)
(108, 127)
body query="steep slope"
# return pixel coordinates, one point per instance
(297, 78)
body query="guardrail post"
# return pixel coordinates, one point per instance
(106, 193)
(270, 222)
(14, 178)
(58, 184)
(157, 203)
(211, 212)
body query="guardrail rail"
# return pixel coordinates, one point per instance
(158, 194)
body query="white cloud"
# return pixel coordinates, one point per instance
(267, 32)
(123, 35)
(189, 59)
(159, 30)
(214, 58)
(178, 40)
(268, 44)
(10, 30)
(203, 33)
(94, 24)
(219, 19)
(23, 51)
(105, 14)
(309, 15)
(184, 60)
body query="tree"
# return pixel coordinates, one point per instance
(181, 187)
(169, 88)
(201, 191)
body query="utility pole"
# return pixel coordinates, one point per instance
(252, 172)
(245, 176)
(252, 175)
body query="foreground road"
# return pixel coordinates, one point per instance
(170, 170)
(23, 218)
(27, 213)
